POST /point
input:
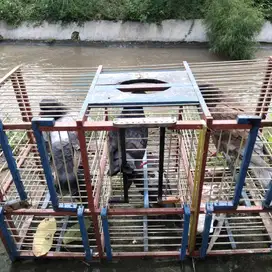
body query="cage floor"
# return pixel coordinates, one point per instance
(67, 237)
(146, 233)
(240, 232)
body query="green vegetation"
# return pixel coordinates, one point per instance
(232, 26)
(266, 7)
(16, 11)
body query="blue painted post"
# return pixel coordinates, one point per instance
(255, 121)
(84, 233)
(184, 243)
(105, 225)
(268, 196)
(49, 122)
(36, 122)
(146, 204)
(206, 232)
(12, 163)
(13, 253)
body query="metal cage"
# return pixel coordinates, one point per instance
(193, 136)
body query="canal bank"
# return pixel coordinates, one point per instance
(119, 31)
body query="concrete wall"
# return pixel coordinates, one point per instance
(168, 31)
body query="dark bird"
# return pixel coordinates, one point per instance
(135, 142)
(65, 148)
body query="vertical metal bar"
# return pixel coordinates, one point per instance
(105, 225)
(185, 234)
(230, 235)
(246, 198)
(249, 147)
(161, 162)
(122, 136)
(84, 233)
(84, 108)
(64, 224)
(146, 203)
(268, 196)
(88, 183)
(201, 100)
(201, 159)
(7, 150)
(46, 201)
(206, 232)
(44, 158)
(4, 242)
(13, 253)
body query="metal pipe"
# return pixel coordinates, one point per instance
(122, 139)
(184, 242)
(106, 232)
(12, 164)
(247, 154)
(84, 234)
(7, 236)
(161, 163)
(207, 226)
(85, 164)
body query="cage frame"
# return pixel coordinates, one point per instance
(81, 125)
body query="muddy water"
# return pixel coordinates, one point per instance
(114, 55)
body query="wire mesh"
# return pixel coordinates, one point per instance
(223, 166)
(229, 89)
(163, 233)
(67, 237)
(240, 231)
(232, 87)
(175, 178)
(27, 86)
(28, 165)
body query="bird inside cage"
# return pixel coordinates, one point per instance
(63, 146)
(231, 144)
(136, 141)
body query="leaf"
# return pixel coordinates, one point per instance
(73, 233)
(43, 238)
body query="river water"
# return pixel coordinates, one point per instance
(114, 55)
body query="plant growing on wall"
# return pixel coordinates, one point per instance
(232, 26)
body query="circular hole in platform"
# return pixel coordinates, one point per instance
(143, 85)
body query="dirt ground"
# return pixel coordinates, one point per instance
(248, 263)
